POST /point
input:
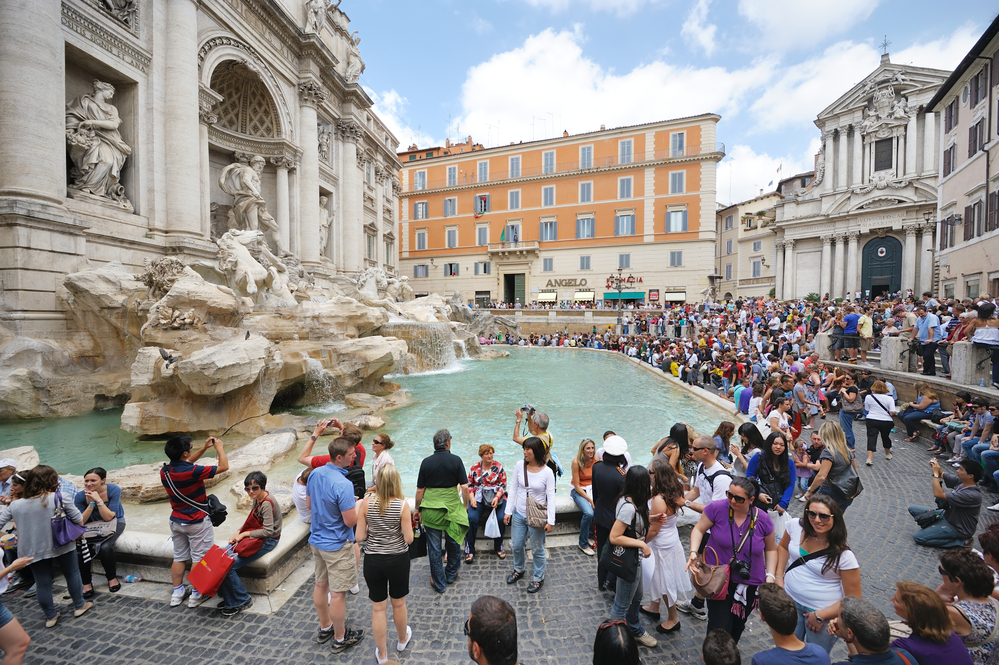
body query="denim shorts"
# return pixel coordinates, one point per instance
(5, 616)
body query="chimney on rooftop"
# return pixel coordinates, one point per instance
(603, 127)
(565, 133)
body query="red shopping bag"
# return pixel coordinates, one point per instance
(206, 576)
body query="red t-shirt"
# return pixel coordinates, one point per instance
(323, 460)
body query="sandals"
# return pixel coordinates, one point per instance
(469, 557)
(501, 554)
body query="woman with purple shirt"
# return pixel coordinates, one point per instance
(933, 640)
(755, 562)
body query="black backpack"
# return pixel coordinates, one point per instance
(355, 474)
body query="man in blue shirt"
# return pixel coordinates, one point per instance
(851, 338)
(927, 331)
(778, 611)
(864, 626)
(331, 534)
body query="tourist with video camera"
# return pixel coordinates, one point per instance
(537, 425)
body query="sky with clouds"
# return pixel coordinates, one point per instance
(519, 70)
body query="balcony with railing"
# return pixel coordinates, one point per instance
(471, 178)
(521, 247)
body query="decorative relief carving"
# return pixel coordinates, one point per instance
(882, 180)
(125, 11)
(208, 100)
(789, 244)
(311, 93)
(96, 149)
(396, 186)
(779, 245)
(910, 230)
(284, 162)
(348, 130)
(98, 34)
(326, 148)
(827, 240)
(852, 236)
(315, 15)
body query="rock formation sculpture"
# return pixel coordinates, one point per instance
(161, 274)
(242, 183)
(96, 148)
(242, 259)
(371, 284)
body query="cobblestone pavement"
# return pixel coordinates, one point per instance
(556, 625)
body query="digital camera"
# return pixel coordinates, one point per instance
(527, 409)
(741, 569)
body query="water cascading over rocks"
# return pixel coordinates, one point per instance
(431, 345)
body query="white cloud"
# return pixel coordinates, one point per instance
(788, 24)
(744, 173)
(696, 29)
(551, 74)
(944, 53)
(619, 7)
(390, 107)
(481, 26)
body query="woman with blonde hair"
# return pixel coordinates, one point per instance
(880, 408)
(933, 639)
(837, 475)
(384, 523)
(582, 492)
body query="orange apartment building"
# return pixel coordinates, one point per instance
(550, 220)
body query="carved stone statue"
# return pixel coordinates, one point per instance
(242, 183)
(405, 290)
(393, 289)
(96, 148)
(251, 269)
(124, 10)
(161, 274)
(355, 67)
(371, 286)
(325, 218)
(356, 38)
(316, 14)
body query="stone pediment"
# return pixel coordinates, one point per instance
(904, 80)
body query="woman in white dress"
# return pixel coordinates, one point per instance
(670, 581)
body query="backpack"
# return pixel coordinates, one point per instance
(355, 474)
(711, 478)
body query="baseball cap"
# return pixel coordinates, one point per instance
(8, 462)
(615, 445)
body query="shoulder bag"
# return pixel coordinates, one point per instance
(537, 512)
(715, 587)
(802, 560)
(250, 546)
(216, 510)
(64, 530)
(620, 560)
(100, 528)
(849, 484)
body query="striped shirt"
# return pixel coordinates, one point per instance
(189, 479)
(385, 531)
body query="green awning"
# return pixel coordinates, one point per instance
(630, 295)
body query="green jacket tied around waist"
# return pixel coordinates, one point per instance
(442, 509)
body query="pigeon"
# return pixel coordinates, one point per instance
(170, 360)
(247, 335)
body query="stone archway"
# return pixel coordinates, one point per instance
(882, 267)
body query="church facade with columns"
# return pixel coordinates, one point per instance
(867, 224)
(135, 129)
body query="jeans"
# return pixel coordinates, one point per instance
(586, 522)
(439, 576)
(911, 421)
(627, 600)
(804, 483)
(106, 555)
(519, 532)
(990, 460)
(42, 570)
(927, 351)
(939, 534)
(841, 499)
(822, 638)
(944, 358)
(846, 422)
(481, 513)
(973, 448)
(232, 590)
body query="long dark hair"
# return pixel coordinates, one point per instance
(42, 480)
(665, 483)
(779, 466)
(836, 535)
(753, 437)
(537, 447)
(638, 488)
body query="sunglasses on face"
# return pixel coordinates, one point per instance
(736, 498)
(251, 488)
(822, 517)
(468, 633)
(943, 572)
(702, 448)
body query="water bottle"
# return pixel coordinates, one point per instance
(132, 578)
(982, 383)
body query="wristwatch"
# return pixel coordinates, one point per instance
(687, 503)
(936, 476)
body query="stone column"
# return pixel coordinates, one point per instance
(32, 94)
(352, 198)
(182, 126)
(842, 144)
(858, 158)
(779, 270)
(827, 180)
(789, 281)
(926, 258)
(282, 213)
(911, 138)
(929, 142)
(909, 257)
(852, 264)
(839, 267)
(207, 101)
(310, 96)
(825, 274)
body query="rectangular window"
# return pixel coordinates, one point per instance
(676, 185)
(513, 200)
(452, 238)
(676, 259)
(369, 247)
(452, 176)
(728, 246)
(883, 154)
(548, 161)
(482, 267)
(515, 167)
(584, 263)
(624, 225)
(729, 222)
(971, 287)
(548, 196)
(757, 268)
(976, 137)
(482, 236)
(625, 153)
(511, 233)
(949, 157)
(450, 207)
(450, 269)
(548, 231)
(369, 173)
(390, 253)
(421, 240)
(979, 88)
(676, 144)
(547, 265)
(586, 157)
(757, 245)
(624, 261)
(421, 271)
(586, 192)
(728, 271)
(420, 210)
(624, 188)
(481, 204)
(419, 180)
(676, 221)
(586, 227)
(483, 172)
(950, 115)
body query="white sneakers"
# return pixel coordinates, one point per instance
(196, 599)
(995, 508)
(401, 646)
(356, 589)
(647, 640)
(178, 595)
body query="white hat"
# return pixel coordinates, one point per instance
(7, 461)
(615, 445)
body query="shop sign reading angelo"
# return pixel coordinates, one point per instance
(555, 283)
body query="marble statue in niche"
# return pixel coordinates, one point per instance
(96, 148)
(242, 183)
(325, 219)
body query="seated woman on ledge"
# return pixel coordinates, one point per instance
(104, 517)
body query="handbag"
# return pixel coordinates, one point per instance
(715, 587)
(215, 509)
(64, 530)
(620, 560)
(418, 548)
(488, 494)
(537, 512)
(250, 546)
(101, 528)
(849, 484)
(206, 576)
(928, 518)
(492, 529)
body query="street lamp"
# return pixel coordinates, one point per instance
(617, 283)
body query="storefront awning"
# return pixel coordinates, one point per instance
(548, 296)
(674, 296)
(625, 295)
(584, 295)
